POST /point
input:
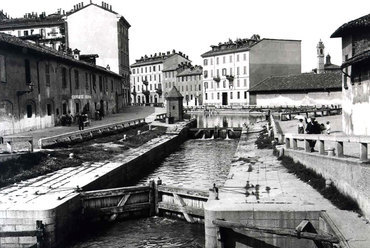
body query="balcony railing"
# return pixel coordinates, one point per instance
(159, 91)
(230, 78)
(217, 79)
(146, 92)
(145, 82)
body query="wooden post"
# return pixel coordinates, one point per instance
(307, 147)
(287, 143)
(156, 195)
(340, 149)
(321, 147)
(295, 144)
(152, 198)
(363, 151)
(40, 228)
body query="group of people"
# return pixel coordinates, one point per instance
(313, 127)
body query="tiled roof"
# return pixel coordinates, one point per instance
(357, 24)
(174, 93)
(198, 70)
(300, 82)
(31, 22)
(7, 40)
(357, 58)
(150, 60)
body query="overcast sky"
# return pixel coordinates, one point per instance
(191, 26)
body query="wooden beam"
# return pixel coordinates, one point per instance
(202, 194)
(32, 233)
(306, 226)
(123, 200)
(198, 212)
(180, 202)
(277, 231)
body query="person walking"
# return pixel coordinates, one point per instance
(80, 119)
(300, 126)
(313, 127)
(328, 127)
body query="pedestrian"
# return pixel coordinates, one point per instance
(313, 127)
(300, 126)
(80, 119)
(328, 127)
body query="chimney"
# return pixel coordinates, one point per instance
(328, 62)
(74, 8)
(82, 4)
(110, 7)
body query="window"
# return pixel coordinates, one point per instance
(29, 111)
(77, 80)
(146, 69)
(224, 72)
(231, 95)
(218, 73)
(100, 83)
(47, 74)
(2, 69)
(48, 109)
(150, 87)
(200, 87)
(217, 60)
(211, 84)
(237, 58)
(159, 78)
(27, 71)
(153, 67)
(218, 95)
(238, 83)
(245, 95)
(64, 78)
(205, 74)
(237, 71)
(205, 62)
(211, 74)
(86, 80)
(150, 69)
(245, 82)
(133, 71)
(231, 58)
(206, 95)
(25, 33)
(224, 59)
(224, 84)
(245, 69)
(205, 85)
(238, 95)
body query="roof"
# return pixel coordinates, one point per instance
(354, 25)
(157, 59)
(9, 40)
(197, 70)
(174, 93)
(364, 56)
(300, 82)
(17, 23)
(331, 67)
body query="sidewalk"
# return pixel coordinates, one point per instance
(128, 113)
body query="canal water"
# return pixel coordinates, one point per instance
(196, 164)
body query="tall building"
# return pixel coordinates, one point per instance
(231, 68)
(356, 75)
(148, 74)
(76, 29)
(322, 67)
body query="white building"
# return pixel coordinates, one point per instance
(148, 74)
(231, 68)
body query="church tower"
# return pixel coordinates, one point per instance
(320, 57)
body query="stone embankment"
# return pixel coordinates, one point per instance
(55, 200)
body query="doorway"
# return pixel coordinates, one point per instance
(224, 98)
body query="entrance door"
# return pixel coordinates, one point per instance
(224, 98)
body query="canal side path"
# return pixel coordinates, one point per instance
(128, 113)
(281, 200)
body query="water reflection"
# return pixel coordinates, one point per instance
(197, 164)
(146, 232)
(226, 120)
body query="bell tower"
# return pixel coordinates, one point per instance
(320, 57)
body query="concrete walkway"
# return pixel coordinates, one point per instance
(129, 113)
(276, 198)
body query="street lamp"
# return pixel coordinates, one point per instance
(30, 89)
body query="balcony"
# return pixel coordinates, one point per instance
(145, 82)
(217, 79)
(134, 93)
(230, 78)
(146, 92)
(159, 91)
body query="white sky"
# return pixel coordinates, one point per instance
(191, 26)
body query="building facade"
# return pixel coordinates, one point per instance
(148, 76)
(75, 29)
(356, 75)
(38, 85)
(230, 69)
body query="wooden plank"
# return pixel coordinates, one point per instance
(126, 208)
(32, 233)
(180, 202)
(123, 201)
(113, 192)
(277, 231)
(198, 212)
(306, 226)
(202, 194)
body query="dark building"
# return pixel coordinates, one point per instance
(39, 84)
(356, 74)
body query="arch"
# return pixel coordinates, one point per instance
(30, 108)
